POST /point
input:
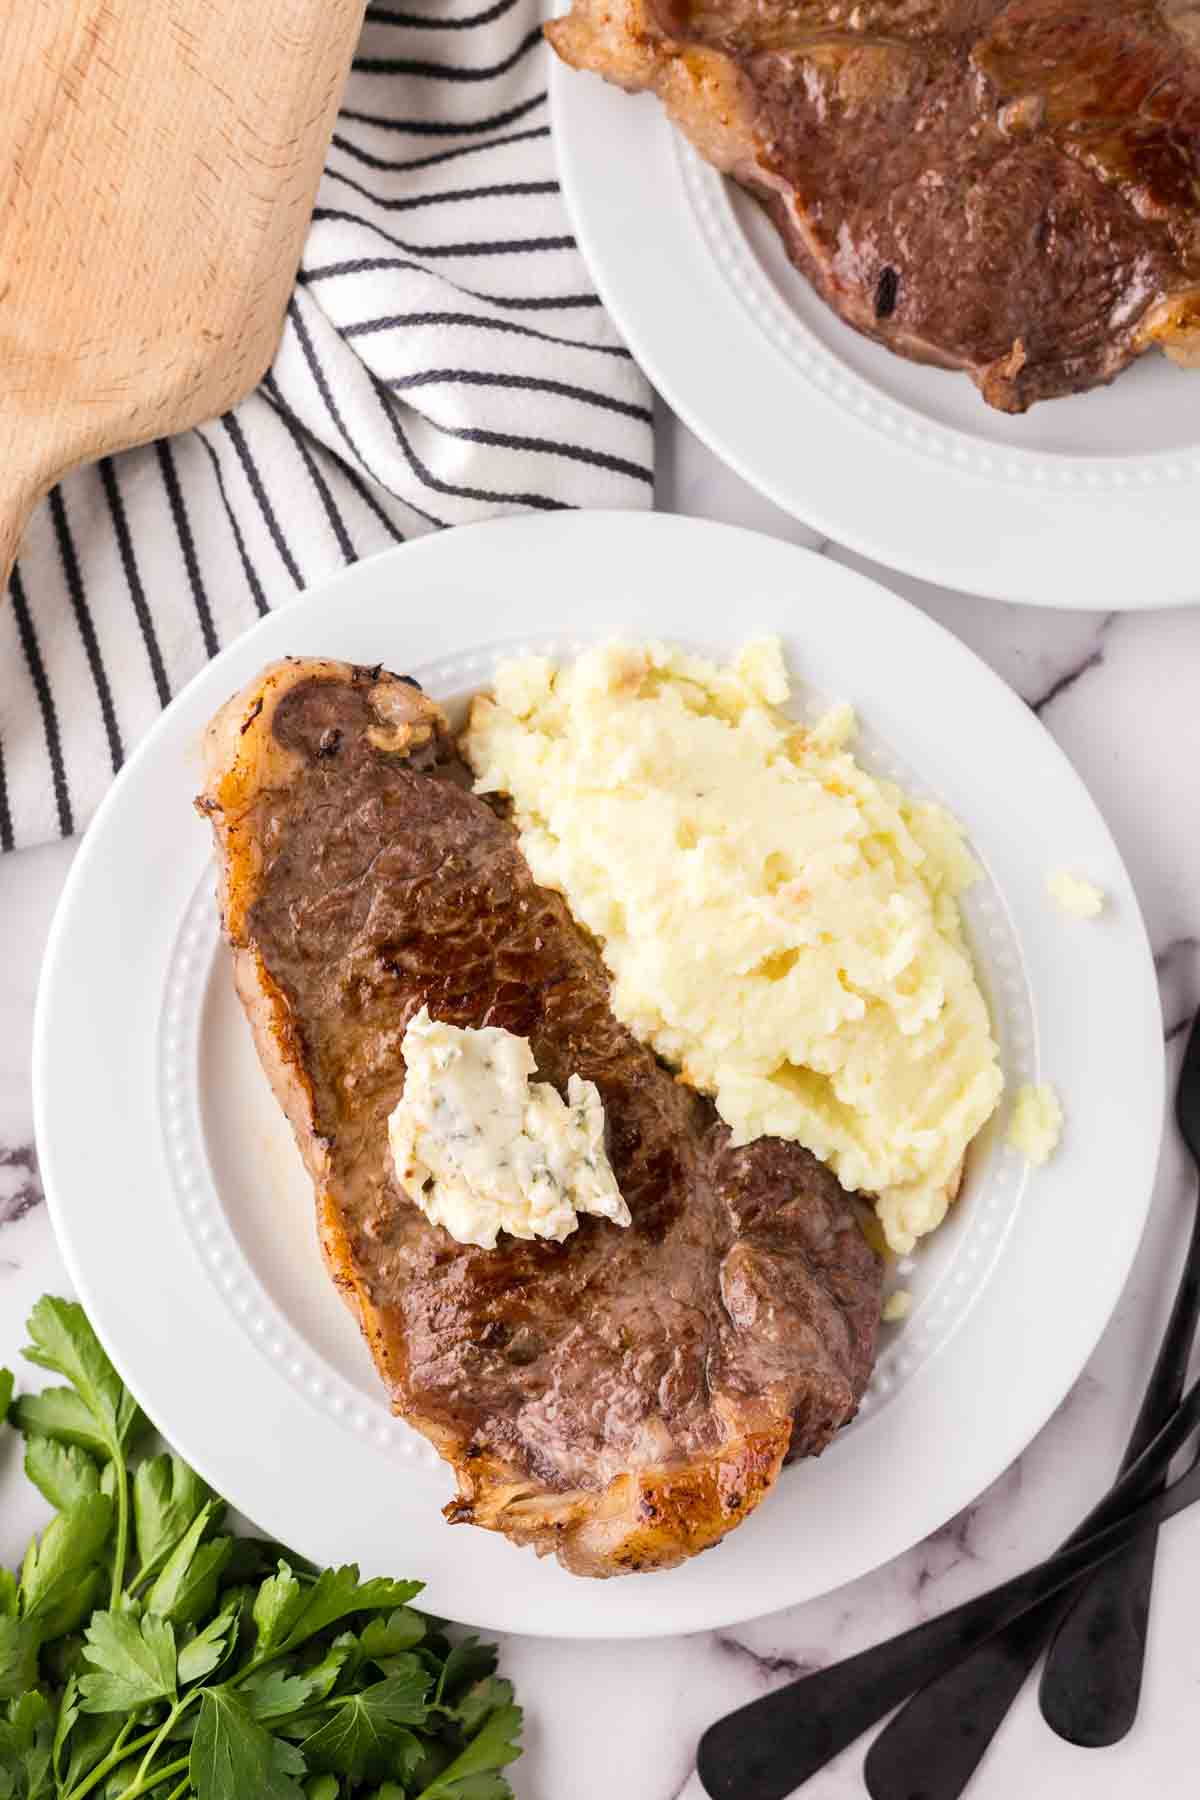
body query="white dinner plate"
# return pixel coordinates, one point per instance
(1091, 501)
(187, 1221)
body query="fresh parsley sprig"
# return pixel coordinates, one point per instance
(144, 1651)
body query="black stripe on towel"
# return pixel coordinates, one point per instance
(133, 580)
(416, 201)
(506, 440)
(368, 499)
(541, 502)
(331, 406)
(237, 438)
(442, 127)
(366, 327)
(336, 521)
(366, 265)
(45, 700)
(87, 629)
(436, 71)
(388, 15)
(530, 383)
(248, 569)
(492, 247)
(187, 544)
(435, 156)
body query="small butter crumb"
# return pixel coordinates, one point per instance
(897, 1306)
(1082, 899)
(1036, 1122)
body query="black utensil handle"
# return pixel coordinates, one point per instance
(1092, 1682)
(765, 1750)
(936, 1742)
(945, 1728)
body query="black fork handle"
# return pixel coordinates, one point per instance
(1092, 1681)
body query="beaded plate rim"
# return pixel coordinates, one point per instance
(905, 1349)
(737, 265)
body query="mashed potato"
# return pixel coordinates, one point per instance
(1037, 1123)
(1082, 899)
(781, 926)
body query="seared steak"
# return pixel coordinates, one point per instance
(623, 1398)
(1011, 189)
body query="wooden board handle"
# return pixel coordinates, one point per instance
(20, 491)
(158, 165)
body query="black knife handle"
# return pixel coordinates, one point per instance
(936, 1742)
(1092, 1681)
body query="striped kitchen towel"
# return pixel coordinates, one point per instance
(444, 360)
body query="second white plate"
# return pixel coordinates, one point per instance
(1088, 502)
(187, 1220)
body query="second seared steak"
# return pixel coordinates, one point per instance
(626, 1397)
(1008, 187)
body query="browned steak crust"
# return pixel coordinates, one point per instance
(623, 1398)
(1011, 189)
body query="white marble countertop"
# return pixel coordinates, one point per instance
(620, 1722)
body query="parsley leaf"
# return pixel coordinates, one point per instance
(6, 1393)
(59, 1413)
(63, 1341)
(274, 1693)
(383, 1638)
(234, 1758)
(72, 1608)
(26, 1738)
(70, 1544)
(18, 1656)
(255, 1557)
(480, 1701)
(62, 1473)
(338, 1593)
(68, 1713)
(167, 1496)
(208, 1649)
(366, 1736)
(91, 1737)
(326, 1787)
(134, 1659)
(278, 1603)
(467, 1662)
(491, 1749)
(186, 1589)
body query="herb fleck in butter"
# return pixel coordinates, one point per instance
(481, 1149)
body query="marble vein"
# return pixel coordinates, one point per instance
(1066, 682)
(20, 1182)
(768, 1667)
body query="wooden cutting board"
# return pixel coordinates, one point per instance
(158, 163)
